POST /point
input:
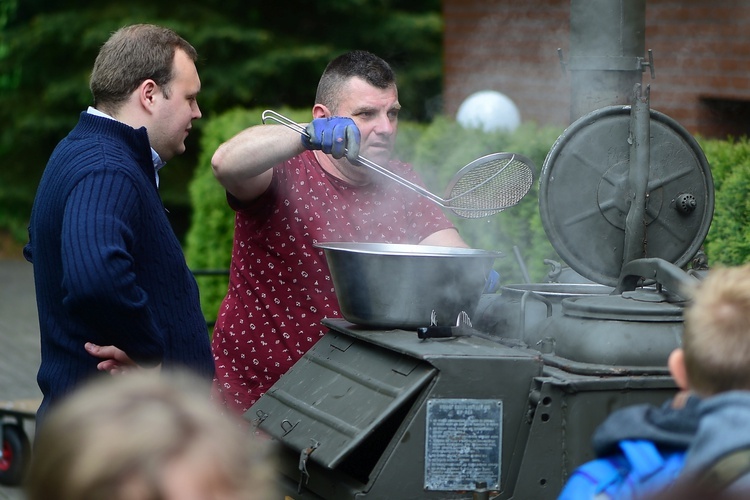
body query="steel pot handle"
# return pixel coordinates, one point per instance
(435, 332)
(674, 279)
(532, 293)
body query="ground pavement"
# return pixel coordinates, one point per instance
(19, 341)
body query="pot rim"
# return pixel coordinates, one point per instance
(406, 250)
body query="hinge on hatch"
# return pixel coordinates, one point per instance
(303, 456)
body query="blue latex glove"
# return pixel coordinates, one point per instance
(336, 136)
(492, 282)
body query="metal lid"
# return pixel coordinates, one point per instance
(583, 194)
(641, 305)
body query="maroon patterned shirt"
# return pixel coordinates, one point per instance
(279, 285)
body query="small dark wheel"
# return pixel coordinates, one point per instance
(16, 454)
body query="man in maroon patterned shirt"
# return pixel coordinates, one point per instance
(291, 191)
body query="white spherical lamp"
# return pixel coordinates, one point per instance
(490, 111)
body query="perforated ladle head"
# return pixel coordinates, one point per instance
(489, 185)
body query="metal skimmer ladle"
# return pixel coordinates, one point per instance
(484, 187)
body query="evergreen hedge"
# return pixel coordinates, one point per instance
(728, 239)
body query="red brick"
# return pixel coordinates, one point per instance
(701, 49)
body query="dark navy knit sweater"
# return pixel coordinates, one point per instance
(108, 267)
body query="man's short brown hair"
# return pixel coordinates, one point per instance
(357, 63)
(131, 55)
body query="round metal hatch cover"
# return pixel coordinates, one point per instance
(584, 199)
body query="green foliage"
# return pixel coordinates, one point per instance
(728, 240)
(407, 139)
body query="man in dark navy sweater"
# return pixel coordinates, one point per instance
(113, 289)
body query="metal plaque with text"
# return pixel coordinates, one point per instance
(463, 444)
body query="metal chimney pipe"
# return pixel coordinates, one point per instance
(607, 44)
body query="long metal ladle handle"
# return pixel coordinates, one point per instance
(283, 120)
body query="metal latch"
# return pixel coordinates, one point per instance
(260, 417)
(303, 456)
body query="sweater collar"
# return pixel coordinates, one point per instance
(155, 158)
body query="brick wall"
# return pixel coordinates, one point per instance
(701, 58)
(510, 47)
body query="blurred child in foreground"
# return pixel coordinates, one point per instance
(146, 437)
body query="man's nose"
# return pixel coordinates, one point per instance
(384, 125)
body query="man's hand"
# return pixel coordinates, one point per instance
(115, 360)
(336, 136)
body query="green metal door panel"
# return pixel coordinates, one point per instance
(363, 386)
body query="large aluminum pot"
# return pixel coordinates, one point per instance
(385, 286)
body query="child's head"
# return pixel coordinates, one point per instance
(715, 354)
(138, 437)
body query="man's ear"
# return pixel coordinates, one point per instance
(676, 366)
(320, 111)
(147, 91)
